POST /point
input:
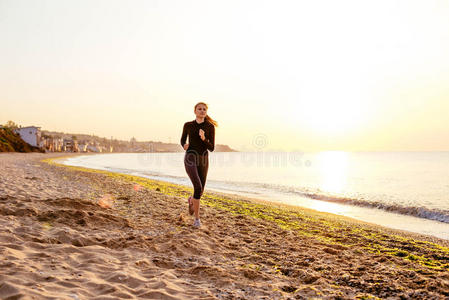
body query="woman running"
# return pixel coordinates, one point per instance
(201, 132)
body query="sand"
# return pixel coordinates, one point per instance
(72, 233)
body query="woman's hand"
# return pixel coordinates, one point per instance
(186, 146)
(202, 134)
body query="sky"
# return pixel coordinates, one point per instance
(276, 75)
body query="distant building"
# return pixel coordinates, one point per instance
(93, 148)
(53, 144)
(70, 145)
(82, 146)
(30, 134)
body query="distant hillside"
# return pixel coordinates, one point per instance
(129, 146)
(12, 142)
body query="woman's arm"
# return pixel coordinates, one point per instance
(184, 135)
(210, 140)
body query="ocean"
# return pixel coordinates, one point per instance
(402, 190)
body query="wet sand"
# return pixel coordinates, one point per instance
(74, 233)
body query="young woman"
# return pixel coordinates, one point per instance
(201, 132)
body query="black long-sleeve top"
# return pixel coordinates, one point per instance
(196, 144)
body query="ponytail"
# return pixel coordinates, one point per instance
(210, 120)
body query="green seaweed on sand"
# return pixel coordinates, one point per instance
(331, 231)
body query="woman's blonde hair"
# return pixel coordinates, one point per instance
(207, 118)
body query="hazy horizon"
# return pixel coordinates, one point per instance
(277, 75)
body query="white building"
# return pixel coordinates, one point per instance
(30, 134)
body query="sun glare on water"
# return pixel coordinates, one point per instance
(333, 170)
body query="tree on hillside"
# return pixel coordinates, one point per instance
(11, 125)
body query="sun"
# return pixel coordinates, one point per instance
(333, 116)
(331, 103)
(330, 111)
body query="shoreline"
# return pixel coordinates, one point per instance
(255, 199)
(71, 232)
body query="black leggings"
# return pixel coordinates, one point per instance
(196, 167)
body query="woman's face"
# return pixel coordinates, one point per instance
(201, 111)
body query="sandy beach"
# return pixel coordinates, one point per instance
(74, 233)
